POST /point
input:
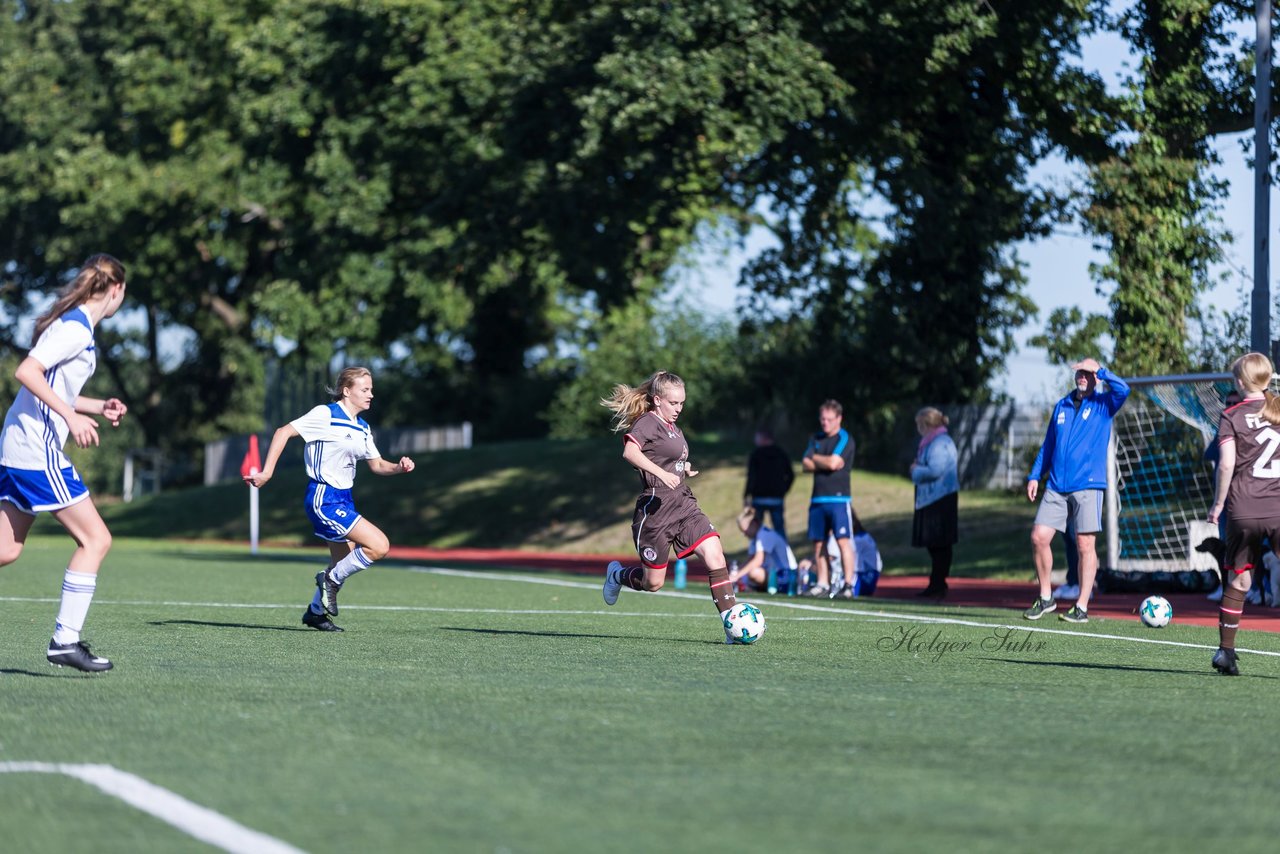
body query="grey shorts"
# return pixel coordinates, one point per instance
(1084, 506)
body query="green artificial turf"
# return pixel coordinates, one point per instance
(497, 710)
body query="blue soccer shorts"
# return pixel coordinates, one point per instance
(332, 511)
(36, 490)
(834, 517)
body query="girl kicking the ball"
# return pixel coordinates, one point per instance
(336, 438)
(666, 513)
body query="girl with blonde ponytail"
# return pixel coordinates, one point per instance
(35, 475)
(666, 514)
(1249, 484)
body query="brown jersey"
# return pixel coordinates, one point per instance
(665, 517)
(663, 444)
(1255, 481)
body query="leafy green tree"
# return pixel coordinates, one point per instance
(431, 187)
(630, 342)
(1072, 336)
(897, 206)
(1153, 202)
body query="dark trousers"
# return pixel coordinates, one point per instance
(940, 559)
(777, 518)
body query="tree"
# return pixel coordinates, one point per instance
(897, 206)
(1152, 201)
(703, 351)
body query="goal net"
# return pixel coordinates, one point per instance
(1160, 484)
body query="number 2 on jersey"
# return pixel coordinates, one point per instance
(1267, 466)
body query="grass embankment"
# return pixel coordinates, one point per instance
(575, 496)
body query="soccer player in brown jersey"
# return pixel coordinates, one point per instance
(667, 514)
(1248, 480)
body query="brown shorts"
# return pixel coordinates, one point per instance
(667, 518)
(1244, 543)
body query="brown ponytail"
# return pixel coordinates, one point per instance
(346, 380)
(97, 275)
(1271, 409)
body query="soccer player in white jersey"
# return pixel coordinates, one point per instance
(337, 437)
(35, 475)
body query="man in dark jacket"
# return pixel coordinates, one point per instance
(769, 477)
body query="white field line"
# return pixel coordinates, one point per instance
(428, 609)
(827, 612)
(192, 819)
(858, 612)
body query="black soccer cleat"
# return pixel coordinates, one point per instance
(1224, 661)
(319, 621)
(76, 655)
(328, 592)
(1075, 614)
(1039, 608)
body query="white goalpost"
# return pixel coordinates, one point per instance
(1160, 484)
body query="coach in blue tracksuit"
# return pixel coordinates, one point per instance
(1073, 463)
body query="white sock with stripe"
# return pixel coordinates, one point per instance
(77, 593)
(317, 603)
(350, 565)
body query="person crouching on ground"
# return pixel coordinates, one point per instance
(770, 561)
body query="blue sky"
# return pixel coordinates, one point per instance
(1057, 267)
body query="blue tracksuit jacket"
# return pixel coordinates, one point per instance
(1074, 453)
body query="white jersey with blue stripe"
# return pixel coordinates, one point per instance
(33, 434)
(335, 442)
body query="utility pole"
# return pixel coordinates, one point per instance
(1260, 338)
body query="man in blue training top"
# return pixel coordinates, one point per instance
(1073, 463)
(830, 458)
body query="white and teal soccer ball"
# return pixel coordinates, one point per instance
(744, 623)
(1155, 611)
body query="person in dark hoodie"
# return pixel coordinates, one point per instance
(769, 478)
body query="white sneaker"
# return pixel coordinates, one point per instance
(1215, 596)
(612, 582)
(1067, 591)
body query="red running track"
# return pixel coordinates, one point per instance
(1189, 608)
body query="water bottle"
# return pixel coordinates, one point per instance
(682, 573)
(773, 580)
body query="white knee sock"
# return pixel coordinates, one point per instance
(77, 593)
(350, 565)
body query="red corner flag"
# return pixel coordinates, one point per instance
(252, 462)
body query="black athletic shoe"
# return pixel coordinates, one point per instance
(1075, 614)
(1039, 608)
(1224, 661)
(319, 621)
(328, 592)
(76, 655)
